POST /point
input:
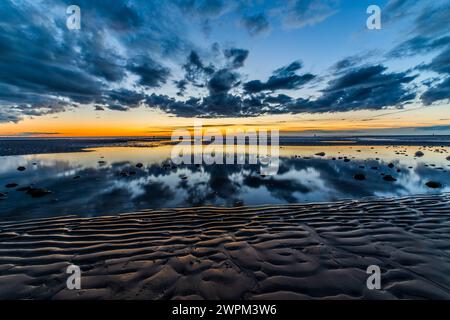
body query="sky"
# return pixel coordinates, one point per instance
(143, 67)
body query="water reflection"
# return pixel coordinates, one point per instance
(107, 180)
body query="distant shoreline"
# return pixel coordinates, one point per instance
(28, 146)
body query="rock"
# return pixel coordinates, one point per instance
(38, 192)
(11, 185)
(433, 184)
(448, 158)
(359, 176)
(21, 168)
(346, 160)
(101, 162)
(398, 170)
(23, 188)
(391, 165)
(139, 165)
(3, 195)
(419, 154)
(389, 178)
(374, 168)
(320, 154)
(76, 177)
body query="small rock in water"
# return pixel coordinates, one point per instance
(346, 160)
(238, 203)
(76, 177)
(448, 158)
(374, 168)
(38, 192)
(391, 165)
(23, 188)
(11, 185)
(320, 154)
(433, 184)
(139, 165)
(359, 176)
(21, 168)
(389, 178)
(102, 162)
(419, 154)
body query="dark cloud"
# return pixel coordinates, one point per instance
(256, 24)
(46, 68)
(283, 78)
(237, 56)
(151, 73)
(419, 45)
(369, 87)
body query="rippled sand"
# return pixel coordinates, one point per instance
(283, 252)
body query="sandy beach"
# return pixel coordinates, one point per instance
(301, 251)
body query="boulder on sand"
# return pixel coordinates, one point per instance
(21, 168)
(359, 176)
(320, 154)
(38, 192)
(419, 154)
(389, 178)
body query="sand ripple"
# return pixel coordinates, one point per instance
(284, 252)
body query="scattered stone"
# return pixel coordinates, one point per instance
(101, 162)
(76, 177)
(38, 192)
(346, 160)
(21, 168)
(139, 165)
(433, 184)
(23, 189)
(359, 176)
(391, 165)
(419, 154)
(389, 178)
(448, 158)
(11, 185)
(374, 168)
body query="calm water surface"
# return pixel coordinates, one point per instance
(81, 184)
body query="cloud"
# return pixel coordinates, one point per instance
(256, 24)
(283, 78)
(301, 13)
(237, 56)
(46, 68)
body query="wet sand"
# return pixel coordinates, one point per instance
(302, 251)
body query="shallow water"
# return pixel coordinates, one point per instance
(302, 177)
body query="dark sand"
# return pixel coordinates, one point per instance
(284, 252)
(26, 146)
